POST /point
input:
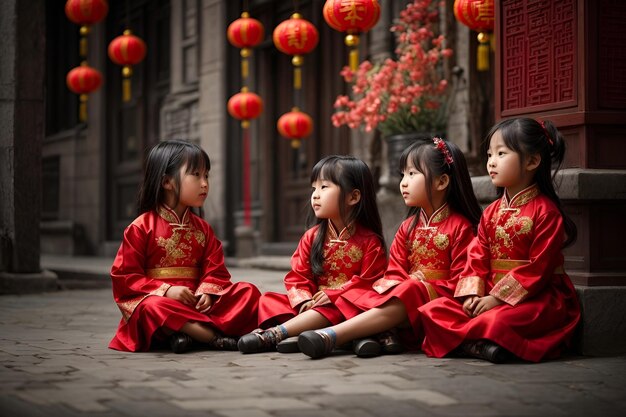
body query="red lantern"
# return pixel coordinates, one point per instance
(245, 33)
(296, 36)
(85, 13)
(83, 80)
(127, 50)
(245, 106)
(295, 125)
(352, 17)
(478, 15)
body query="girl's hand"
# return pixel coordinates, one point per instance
(486, 303)
(306, 306)
(182, 294)
(320, 298)
(204, 303)
(469, 304)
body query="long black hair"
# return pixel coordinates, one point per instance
(526, 137)
(431, 161)
(349, 173)
(166, 159)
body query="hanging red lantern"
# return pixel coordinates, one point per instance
(127, 50)
(295, 125)
(245, 106)
(85, 13)
(352, 17)
(296, 36)
(478, 15)
(245, 33)
(83, 80)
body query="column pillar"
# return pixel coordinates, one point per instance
(22, 30)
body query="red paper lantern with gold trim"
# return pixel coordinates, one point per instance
(295, 125)
(245, 33)
(127, 50)
(478, 15)
(245, 106)
(352, 17)
(83, 80)
(86, 13)
(296, 36)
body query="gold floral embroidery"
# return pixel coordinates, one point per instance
(334, 282)
(441, 241)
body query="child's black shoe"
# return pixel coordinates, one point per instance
(366, 348)
(180, 342)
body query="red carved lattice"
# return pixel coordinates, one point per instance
(538, 53)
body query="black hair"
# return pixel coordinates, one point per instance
(166, 159)
(349, 173)
(428, 159)
(526, 137)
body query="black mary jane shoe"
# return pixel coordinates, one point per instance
(487, 350)
(390, 342)
(315, 344)
(224, 343)
(366, 348)
(180, 342)
(256, 342)
(289, 345)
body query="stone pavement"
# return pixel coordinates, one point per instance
(55, 362)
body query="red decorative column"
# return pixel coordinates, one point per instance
(566, 61)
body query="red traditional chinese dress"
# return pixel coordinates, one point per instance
(424, 263)
(516, 258)
(354, 256)
(160, 250)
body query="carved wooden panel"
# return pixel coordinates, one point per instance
(611, 54)
(538, 55)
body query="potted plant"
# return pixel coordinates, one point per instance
(406, 97)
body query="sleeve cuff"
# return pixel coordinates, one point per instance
(509, 290)
(297, 296)
(383, 284)
(209, 288)
(470, 286)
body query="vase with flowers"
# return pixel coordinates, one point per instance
(405, 97)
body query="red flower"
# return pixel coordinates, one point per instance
(405, 94)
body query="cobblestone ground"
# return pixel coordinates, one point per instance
(55, 363)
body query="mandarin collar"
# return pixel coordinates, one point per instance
(521, 198)
(438, 216)
(170, 215)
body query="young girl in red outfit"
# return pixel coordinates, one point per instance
(513, 295)
(169, 278)
(344, 249)
(426, 256)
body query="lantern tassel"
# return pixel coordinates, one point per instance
(354, 59)
(83, 47)
(244, 68)
(482, 57)
(297, 78)
(295, 143)
(247, 218)
(126, 90)
(82, 109)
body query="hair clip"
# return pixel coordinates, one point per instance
(441, 145)
(545, 131)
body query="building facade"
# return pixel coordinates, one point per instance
(91, 170)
